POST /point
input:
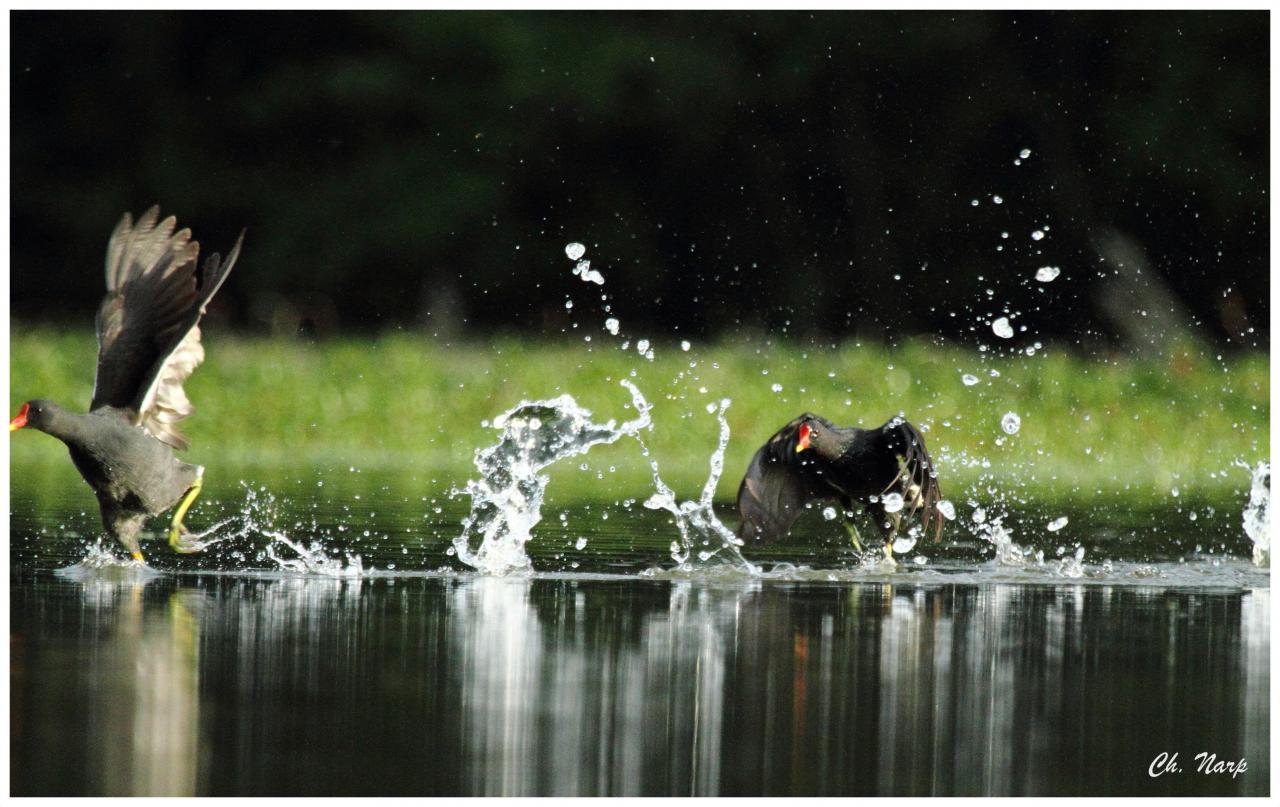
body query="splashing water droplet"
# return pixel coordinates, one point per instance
(947, 509)
(1036, 235)
(1002, 328)
(506, 501)
(1057, 524)
(580, 544)
(1025, 153)
(575, 250)
(892, 502)
(969, 380)
(829, 513)
(611, 325)
(684, 345)
(776, 388)
(902, 546)
(583, 270)
(1011, 423)
(700, 530)
(1257, 513)
(1046, 274)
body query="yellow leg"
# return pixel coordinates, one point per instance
(854, 537)
(895, 521)
(175, 530)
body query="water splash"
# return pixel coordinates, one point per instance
(311, 558)
(993, 531)
(702, 537)
(506, 501)
(257, 519)
(1257, 513)
(102, 564)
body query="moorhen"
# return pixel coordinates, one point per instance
(812, 459)
(148, 345)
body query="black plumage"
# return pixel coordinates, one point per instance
(811, 459)
(148, 345)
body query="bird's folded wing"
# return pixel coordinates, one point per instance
(148, 334)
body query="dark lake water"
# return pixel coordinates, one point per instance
(604, 673)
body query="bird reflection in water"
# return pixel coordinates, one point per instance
(146, 707)
(578, 685)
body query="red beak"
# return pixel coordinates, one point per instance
(20, 419)
(803, 442)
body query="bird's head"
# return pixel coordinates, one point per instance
(813, 433)
(35, 414)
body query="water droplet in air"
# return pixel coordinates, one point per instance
(776, 388)
(1025, 153)
(1036, 235)
(893, 503)
(611, 325)
(947, 509)
(829, 513)
(1002, 328)
(581, 544)
(998, 199)
(685, 346)
(969, 380)
(1057, 524)
(575, 251)
(902, 546)
(1046, 274)
(1011, 423)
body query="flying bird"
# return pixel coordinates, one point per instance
(148, 328)
(811, 459)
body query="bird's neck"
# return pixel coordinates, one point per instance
(69, 427)
(840, 443)
(860, 444)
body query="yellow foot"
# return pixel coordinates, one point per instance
(178, 535)
(138, 557)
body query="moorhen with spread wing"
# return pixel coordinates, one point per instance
(812, 459)
(148, 345)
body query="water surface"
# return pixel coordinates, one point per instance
(605, 672)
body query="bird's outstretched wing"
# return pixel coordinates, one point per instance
(148, 323)
(776, 488)
(917, 479)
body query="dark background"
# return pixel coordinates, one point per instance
(809, 174)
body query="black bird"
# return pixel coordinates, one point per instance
(812, 459)
(148, 345)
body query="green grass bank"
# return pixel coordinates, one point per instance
(404, 401)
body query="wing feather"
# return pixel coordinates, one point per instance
(148, 332)
(917, 479)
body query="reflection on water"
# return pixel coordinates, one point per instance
(577, 685)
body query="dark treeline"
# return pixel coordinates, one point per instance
(808, 174)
